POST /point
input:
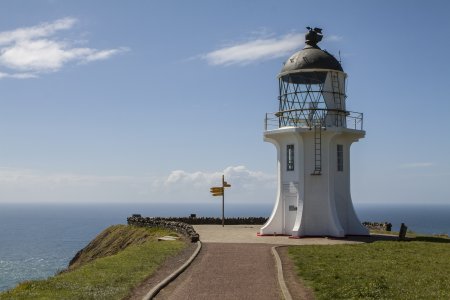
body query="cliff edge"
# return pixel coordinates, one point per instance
(111, 241)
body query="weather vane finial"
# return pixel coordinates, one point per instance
(313, 36)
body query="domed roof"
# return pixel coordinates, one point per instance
(311, 56)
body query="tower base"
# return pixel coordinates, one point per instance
(311, 204)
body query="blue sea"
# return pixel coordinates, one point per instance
(38, 240)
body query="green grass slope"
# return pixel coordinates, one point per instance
(108, 268)
(113, 240)
(417, 269)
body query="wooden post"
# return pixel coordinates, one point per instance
(402, 233)
(223, 201)
(220, 191)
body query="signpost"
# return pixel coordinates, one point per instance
(220, 191)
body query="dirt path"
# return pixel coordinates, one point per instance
(227, 271)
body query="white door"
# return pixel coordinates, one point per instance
(290, 195)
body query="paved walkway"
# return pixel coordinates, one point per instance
(247, 234)
(235, 263)
(227, 271)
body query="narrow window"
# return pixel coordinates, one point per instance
(340, 158)
(290, 157)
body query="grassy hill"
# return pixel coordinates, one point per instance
(109, 267)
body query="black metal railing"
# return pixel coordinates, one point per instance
(310, 118)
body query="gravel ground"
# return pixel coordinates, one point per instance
(247, 234)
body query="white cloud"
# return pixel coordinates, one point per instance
(28, 177)
(103, 54)
(415, 165)
(29, 51)
(334, 38)
(256, 50)
(28, 185)
(240, 176)
(42, 30)
(17, 75)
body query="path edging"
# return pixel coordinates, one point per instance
(155, 290)
(280, 276)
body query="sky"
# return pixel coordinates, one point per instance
(152, 101)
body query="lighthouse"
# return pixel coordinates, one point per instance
(312, 132)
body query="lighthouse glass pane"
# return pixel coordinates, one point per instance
(290, 157)
(340, 158)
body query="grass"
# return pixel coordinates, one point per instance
(409, 234)
(108, 274)
(418, 269)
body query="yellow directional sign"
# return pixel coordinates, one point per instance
(220, 191)
(217, 191)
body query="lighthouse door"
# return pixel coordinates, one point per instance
(290, 194)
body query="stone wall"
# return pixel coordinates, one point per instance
(378, 226)
(180, 227)
(218, 221)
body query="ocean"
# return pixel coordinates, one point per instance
(38, 240)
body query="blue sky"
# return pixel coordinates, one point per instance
(151, 101)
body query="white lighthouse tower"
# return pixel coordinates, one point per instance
(312, 132)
